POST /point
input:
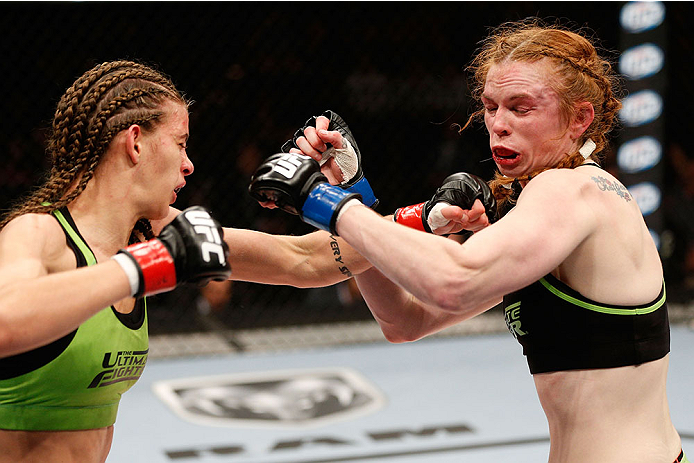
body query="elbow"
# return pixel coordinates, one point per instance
(451, 292)
(407, 330)
(400, 336)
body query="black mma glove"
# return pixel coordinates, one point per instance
(296, 185)
(460, 189)
(348, 158)
(190, 249)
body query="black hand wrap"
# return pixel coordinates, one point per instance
(462, 189)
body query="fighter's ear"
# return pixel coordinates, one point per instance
(583, 117)
(133, 143)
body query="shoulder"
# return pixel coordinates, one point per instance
(558, 206)
(37, 235)
(561, 191)
(582, 180)
(588, 188)
(563, 182)
(33, 226)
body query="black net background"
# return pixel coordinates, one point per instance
(258, 70)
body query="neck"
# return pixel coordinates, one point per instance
(104, 219)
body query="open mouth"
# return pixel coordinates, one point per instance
(176, 191)
(504, 154)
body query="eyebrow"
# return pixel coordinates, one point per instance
(518, 96)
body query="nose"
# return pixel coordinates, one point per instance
(187, 166)
(500, 123)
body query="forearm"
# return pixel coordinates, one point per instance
(430, 267)
(401, 316)
(312, 260)
(36, 311)
(389, 305)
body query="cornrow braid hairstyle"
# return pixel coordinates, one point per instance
(580, 74)
(101, 103)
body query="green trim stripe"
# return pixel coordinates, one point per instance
(91, 260)
(602, 309)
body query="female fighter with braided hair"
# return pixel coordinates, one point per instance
(73, 325)
(571, 260)
(78, 255)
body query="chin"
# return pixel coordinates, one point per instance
(513, 172)
(506, 172)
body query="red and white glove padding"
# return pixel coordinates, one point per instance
(465, 191)
(190, 249)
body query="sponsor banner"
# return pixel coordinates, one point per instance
(641, 108)
(641, 61)
(639, 154)
(637, 17)
(640, 151)
(647, 196)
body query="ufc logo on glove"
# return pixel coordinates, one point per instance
(204, 225)
(288, 164)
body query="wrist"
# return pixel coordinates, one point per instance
(412, 216)
(323, 205)
(349, 203)
(132, 271)
(363, 188)
(154, 265)
(435, 218)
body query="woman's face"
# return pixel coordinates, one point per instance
(522, 114)
(168, 164)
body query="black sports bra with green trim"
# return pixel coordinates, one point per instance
(560, 329)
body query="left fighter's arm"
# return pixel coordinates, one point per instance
(313, 260)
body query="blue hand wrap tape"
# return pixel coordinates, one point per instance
(321, 204)
(364, 189)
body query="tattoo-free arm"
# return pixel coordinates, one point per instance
(39, 300)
